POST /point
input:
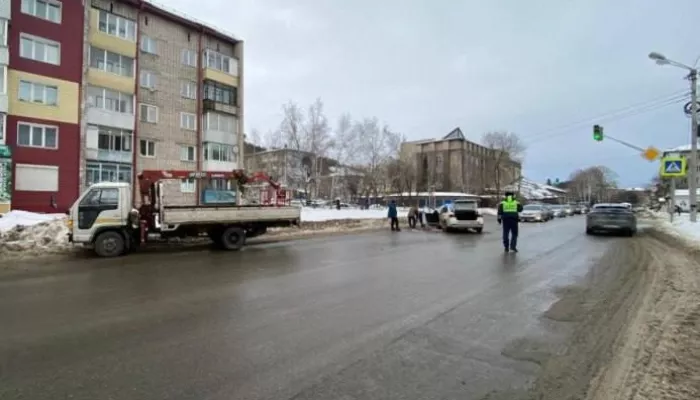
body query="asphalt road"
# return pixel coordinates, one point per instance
(409, 315)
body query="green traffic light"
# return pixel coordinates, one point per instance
(597, 133)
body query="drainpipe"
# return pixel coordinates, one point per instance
(200, 113)
(135, 135)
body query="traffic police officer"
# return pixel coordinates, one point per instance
(508, 218)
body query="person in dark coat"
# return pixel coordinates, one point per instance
(508, 218)
(393, 215)
(412, 217)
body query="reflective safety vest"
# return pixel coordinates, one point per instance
(510, 206)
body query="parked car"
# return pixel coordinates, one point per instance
(611, 217)
(559, 211)
(461, 215)
(534, 213)
(548, 211)
(576, 208)
(568, 209)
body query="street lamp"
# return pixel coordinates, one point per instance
(660, 59)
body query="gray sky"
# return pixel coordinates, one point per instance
(425, 67)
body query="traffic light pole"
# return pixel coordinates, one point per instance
(693, 159)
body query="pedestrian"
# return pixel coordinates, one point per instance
(508, 218)
(393, 216)
(412, 217)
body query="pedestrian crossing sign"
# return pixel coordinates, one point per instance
(673, 167)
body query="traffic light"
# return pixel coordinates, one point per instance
(597, 133)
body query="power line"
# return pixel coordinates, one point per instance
(626, 112)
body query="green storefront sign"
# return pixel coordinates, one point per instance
(5, 174)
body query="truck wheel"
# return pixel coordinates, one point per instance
(233, 238)
(479, 230)
(109, 244)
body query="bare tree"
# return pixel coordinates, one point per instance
(504, 149)
(592, 183)
(376, 147)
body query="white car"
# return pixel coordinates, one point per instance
(461, 215)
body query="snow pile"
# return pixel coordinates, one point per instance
(320, 214)
(488, 211)
(681, 227)
(31, 234)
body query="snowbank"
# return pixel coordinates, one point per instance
(489, 211)
(320, 214)
(29, 234)
(681, 227)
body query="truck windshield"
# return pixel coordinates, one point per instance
(464, 206)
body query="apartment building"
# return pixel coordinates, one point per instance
(456, 164)
(5, 152)
(99, 90)
(43, 89)
(162, 92)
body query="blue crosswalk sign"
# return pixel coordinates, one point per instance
(673, 167)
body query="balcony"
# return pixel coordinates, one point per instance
(123, 157)
(113, 43)
(213, 105)
(219, 166)
(120, 83)
(221, 77)
(104, 117)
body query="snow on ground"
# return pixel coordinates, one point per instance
(488, 211)
(681, 227)
(326, 214)
(32, 233)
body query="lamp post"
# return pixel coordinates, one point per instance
(660, 59)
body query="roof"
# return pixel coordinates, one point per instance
(178, 16)
(455, 134)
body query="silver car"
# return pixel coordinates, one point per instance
(610, 217)
(559, 211)
(534, 213)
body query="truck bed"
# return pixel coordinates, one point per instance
(211, 214)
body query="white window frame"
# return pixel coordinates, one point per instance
(34, 88)
(148, 79)
(4, 24)
(215, 60)
(149, 45)
(188, 185)
(29, 182)
(148, 108)
(188, 90)
(43, 135)
(150, 145)
(104, 95)
(127, 137)
(105, 55)
(45, 42)
(210, 116)
(29, 7)
(188, 57)
(208, 151)
(186, 150)
(3, 128)
(188, 121)
(129, 30)
(3, 79)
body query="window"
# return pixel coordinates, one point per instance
(35, 135)
(111, 62)
(221, 62)
(188, 121)
(189, 57)
(149, 45)
(101, 197)
(148, 113)
(107, 172)
(220, 93)
(36, 178)
(32, 92)
(220, 122)
(113, 139)
(220, 152)
(188, 153)
(117, 26)
(3, 32)
(188, 89)
(110, 100)
(147, 148)
(148, 79)
(3, 78)
(44, 9)
(3, 120)
(187, 185)
(39, 49)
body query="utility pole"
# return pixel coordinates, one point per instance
(693, 160)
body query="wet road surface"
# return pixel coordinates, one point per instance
(410, 315)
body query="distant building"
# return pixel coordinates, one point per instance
(455, 164)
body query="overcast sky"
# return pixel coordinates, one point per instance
(425, 67)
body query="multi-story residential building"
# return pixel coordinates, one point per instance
(5, 152)
(43, 88)
(456, 164)
(100, 90)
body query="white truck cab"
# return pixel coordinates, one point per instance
(104, 206)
